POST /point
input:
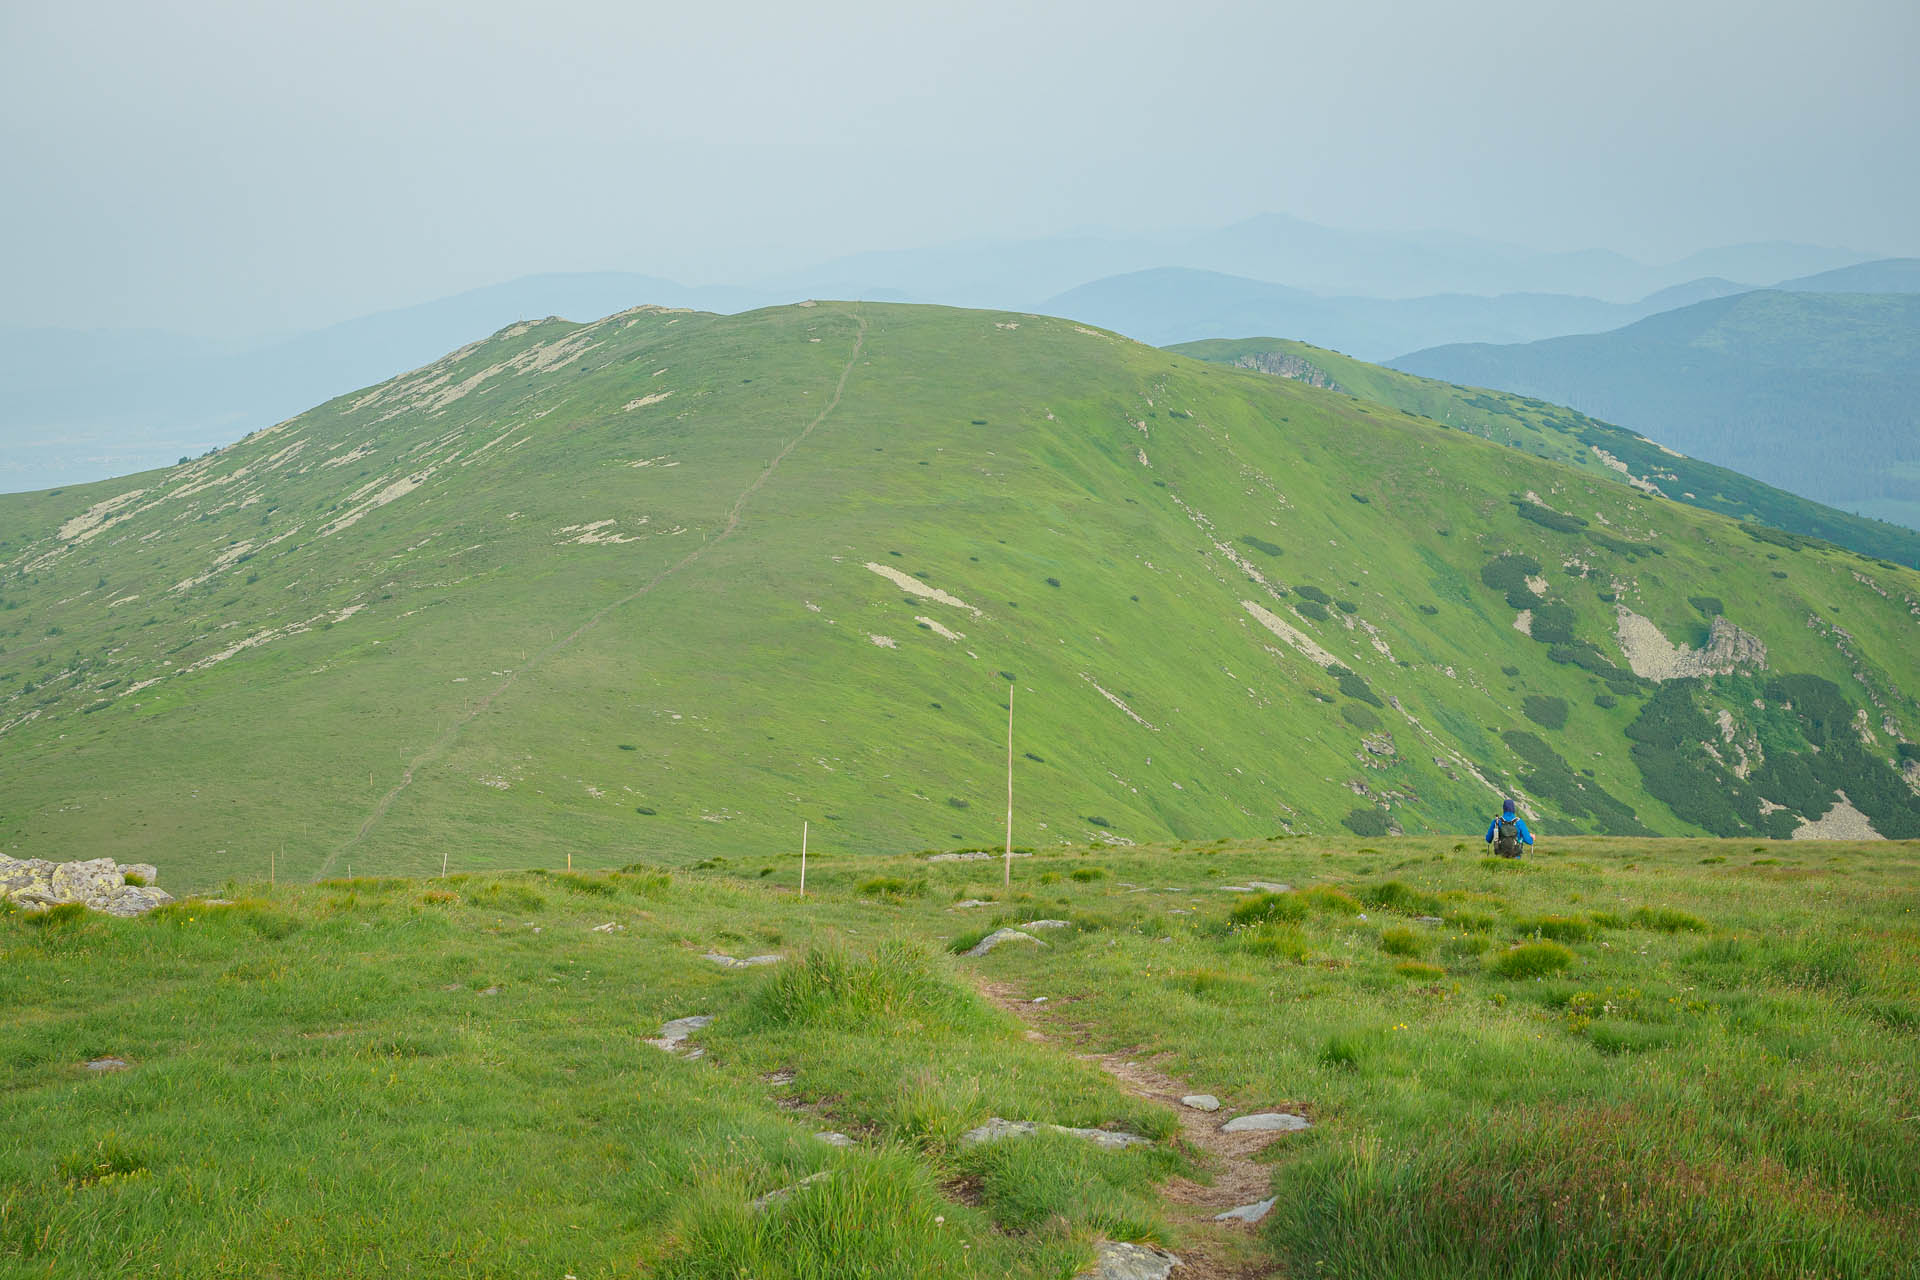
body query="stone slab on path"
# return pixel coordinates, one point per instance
(1130, 1262)
(1201, 1102)
(1045, 924)
(1248, 1212)
(672, 1034)
(999, 936)
(1267, 1121)
(997, 1128)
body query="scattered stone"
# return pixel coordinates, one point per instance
(728, 962)
(1269, 886)
(1248, 1212)
(975, 855)
(1130, 1262)
(1265, 1121)
(1045, 924)
(783, 1076)
(1234, 888)
(969, 902)
(106, 1064)
(451, 986)
(490, 991)
(1038, 1000)
(996, 1128)
(834, 1139)
(672, 1033)
(1201, 1102)
(999, 936)
(1428, 920)
(611, 926)
(775, 1197)
(214, 902)
(100, 884)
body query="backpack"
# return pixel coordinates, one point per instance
(1506, 838)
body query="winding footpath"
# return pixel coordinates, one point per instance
(735, 514)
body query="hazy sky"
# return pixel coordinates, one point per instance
(237, 167)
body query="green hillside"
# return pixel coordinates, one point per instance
(1814, 392)
(669, 584)
(1567, 435)
(1619, 1057)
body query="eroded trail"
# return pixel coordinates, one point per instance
(735, 514)
(1209, 1249)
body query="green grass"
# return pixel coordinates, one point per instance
(225, 680)
(449, 1076)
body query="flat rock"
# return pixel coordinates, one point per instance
(999, 936)
(729, 962)
(1267, 1121)
(672, 1033)
(833, 1138)
(775, 1197)
(109, 1063)
(1269, 886)
(1248, 1212)
(964, 903)
(1234, 888)
(997, 1128)
(1130, 1262)
(1429, 920)
(1045, 924)
(1201, 1102)
(611, 926)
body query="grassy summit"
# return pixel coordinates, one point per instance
(667, 584)
(1684, 1058)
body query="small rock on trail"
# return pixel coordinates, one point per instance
(1267, 1121)
(729, 962)
(999, 936)
(1130, 1262)
(106, 1064)
(1201, 1102)
(1248, 1212)
(1045, 924)
(834, 1138)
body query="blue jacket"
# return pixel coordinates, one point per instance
(1493, 828)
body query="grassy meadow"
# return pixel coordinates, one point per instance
(1614, 1057)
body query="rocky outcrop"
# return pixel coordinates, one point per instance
(1282, 365)
(1654, 657)
(100, 884)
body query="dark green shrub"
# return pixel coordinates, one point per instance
(1315, 594)
(1312, 609)
(1086, 874)
(1367, 822)
(1548, 712)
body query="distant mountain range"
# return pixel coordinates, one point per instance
(77, 406)
(1818, 393)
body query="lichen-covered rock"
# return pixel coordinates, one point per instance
(98, 883)
(997, 937)
(130, 900)
(28, 882)
(78, 881)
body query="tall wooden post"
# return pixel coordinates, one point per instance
(1006, 878)
(803, 858)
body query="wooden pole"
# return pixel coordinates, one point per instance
(273, 870)
(443, 862)
(803, 858)
(569, 859)
(1006, 878)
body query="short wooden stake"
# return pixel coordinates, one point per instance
(443, 862)
(803, 859)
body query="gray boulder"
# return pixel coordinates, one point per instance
(1130, 1262)
(999, 936)
(130, 900)
(28, 882)
(1267, 1122)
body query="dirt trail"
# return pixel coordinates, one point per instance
(734, 516)
(1208, 1250)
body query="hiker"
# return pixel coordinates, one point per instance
(1508, 832)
